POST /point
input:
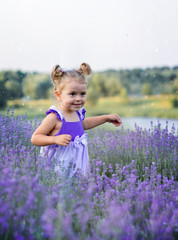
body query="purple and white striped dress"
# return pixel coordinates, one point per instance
(76, 152)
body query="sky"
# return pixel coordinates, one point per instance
(35, 35)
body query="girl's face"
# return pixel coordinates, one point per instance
(72, 96)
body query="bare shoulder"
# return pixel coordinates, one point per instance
(49, 123)
(51, 117)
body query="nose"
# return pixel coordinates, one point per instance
(78, 98)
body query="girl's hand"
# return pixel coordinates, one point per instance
(63, 139)
(114, 119)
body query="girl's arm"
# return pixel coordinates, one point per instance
(92, 122)
(40, 136)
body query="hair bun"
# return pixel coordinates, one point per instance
(84, 69)
(58, 71)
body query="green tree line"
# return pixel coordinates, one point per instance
(122, 82)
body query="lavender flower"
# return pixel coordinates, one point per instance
(130, 192)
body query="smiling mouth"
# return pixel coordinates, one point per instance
(77, 105)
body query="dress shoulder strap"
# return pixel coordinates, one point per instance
(81, 113)
(57, 111)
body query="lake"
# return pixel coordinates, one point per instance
(145, 122)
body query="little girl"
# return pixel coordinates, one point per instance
(62, 131)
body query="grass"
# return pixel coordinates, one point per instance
(159, 106)
(150, 106)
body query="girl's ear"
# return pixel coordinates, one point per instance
(58, 96)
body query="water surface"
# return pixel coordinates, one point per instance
(144, 122)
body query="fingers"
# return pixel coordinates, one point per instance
(116, 123)
(65, 143)
(67, 139)
(63, 139)
(116, 120)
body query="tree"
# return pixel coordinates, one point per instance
(36, 86)
(3, 91)
(42, 89)
(175, 102)
(10, 85)
(123, 93)
(98, 83)
(13, 83)
(92, 97)
(175, 85)
(146, 89)
(112, 86)
(14, 89)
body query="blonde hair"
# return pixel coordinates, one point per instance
(59, 76)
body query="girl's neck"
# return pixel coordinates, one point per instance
(69, 116)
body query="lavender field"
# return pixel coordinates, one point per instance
(130, 190)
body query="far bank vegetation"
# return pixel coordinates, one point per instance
(122, 83)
